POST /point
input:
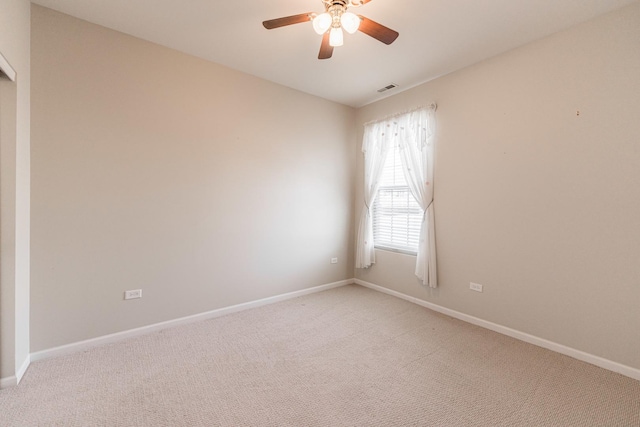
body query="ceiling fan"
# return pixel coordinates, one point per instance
(333, 20)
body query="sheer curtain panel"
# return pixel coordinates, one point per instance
(377, 140)
(415, 131)
(412, 132)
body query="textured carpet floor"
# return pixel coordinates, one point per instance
(345, 357)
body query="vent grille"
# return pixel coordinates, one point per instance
(388, 87)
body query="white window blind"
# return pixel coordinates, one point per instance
(397, 217)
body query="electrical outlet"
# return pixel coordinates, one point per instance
(135, 293)
(475, 287)
(334, 260)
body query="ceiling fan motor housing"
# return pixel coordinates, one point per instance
(329, 3)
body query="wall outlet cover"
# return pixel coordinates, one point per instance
(475, 287)
(132, 294)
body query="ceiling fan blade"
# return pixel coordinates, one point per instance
(377, 31)
(287, 20)
(326, 50)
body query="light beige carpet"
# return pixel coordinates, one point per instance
(345, 357)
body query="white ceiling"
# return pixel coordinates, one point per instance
(436, 37)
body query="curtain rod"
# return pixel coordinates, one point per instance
(433, 106)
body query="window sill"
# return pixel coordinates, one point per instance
(398, 251)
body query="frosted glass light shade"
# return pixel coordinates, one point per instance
(350, 22)
(322, 22)
(336, 37)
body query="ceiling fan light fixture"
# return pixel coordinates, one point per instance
(322, 22)
(350, 22)
(336, 38)
(331, 23)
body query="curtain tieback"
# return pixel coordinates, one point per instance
(424, 215)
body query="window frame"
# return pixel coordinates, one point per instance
(393, 167)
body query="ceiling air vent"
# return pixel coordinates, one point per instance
(386, 88)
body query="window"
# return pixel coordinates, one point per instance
(391, 218)
(397, 217)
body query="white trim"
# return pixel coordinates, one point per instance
(6, 68)
(23, 369)
(14, 380)
(8, 382)
(522, 336)
(118, 336)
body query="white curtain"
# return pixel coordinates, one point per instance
(377, 141)
(415, 131)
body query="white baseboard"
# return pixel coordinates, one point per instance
(522, 336)
(23, 369)
(14, 380)
(118, 336)
(8, 382)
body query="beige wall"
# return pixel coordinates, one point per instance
(206, 187)
(535, 202)
(14, 190)
(153, 169)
